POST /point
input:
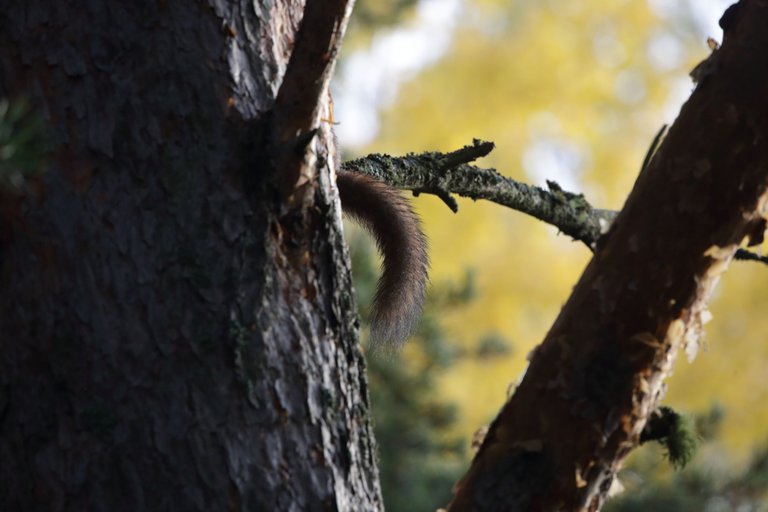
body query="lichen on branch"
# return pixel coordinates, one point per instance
(444, 174)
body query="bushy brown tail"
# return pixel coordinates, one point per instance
(388, 216)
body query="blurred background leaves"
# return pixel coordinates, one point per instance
(569, 91)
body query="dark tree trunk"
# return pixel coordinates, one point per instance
(592, 384)
(177, 329)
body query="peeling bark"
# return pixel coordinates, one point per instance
(591, 385)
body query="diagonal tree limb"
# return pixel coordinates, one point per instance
(593, 383)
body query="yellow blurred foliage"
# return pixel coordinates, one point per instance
(584, 82)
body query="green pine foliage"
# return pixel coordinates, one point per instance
(704, 485)
(697, 489)
(23, 145)
(420, 457)
(675, 432)
(682, 443)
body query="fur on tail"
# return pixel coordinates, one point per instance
(388, 216)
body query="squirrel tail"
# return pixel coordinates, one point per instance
(388, 216)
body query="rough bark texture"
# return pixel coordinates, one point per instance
(444, 174)
(161, 349)
(591, 385)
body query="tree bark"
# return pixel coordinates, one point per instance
(591, 385)
(177, 326)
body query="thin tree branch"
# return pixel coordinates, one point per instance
(443, 174)
(296, 113)
(745, 255)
